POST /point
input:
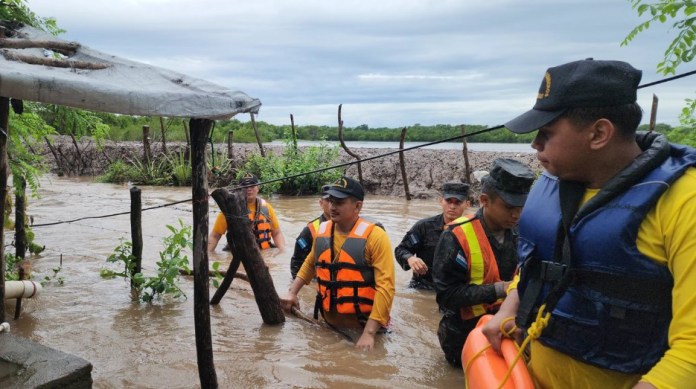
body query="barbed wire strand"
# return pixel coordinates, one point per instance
(349, 163)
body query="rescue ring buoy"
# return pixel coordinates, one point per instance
(485, 369)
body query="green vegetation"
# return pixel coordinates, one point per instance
(292, 162)
(172, 262)
(680, 50)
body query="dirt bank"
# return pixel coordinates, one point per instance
(426, 169)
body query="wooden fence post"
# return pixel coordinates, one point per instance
(653, 113)
(200, 131)
(465, 151)
(146, 143)
(230, 151)
(293, 132)
(20, 235)
(243, 245)
(404, 176)
(4, 121)
(256, 132)
(136, 230)
(164, 141)
(343, 144)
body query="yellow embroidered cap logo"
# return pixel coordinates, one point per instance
(341, 183)
(545, 88)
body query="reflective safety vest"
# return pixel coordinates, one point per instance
(345, 283)
(314, 227)
(480, 261)
(261, 223)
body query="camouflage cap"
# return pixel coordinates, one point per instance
(511, 179)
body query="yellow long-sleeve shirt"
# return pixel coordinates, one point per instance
(379, 255)
(668, 236)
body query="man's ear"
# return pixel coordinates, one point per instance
(484, 200)
(601, 132)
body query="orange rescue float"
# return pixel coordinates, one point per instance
(486, 369)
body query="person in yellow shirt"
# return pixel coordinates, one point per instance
(263, 219)
(607, 240)
(352, 261)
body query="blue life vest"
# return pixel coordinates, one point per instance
(616, 312)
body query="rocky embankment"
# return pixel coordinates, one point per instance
(426, 169)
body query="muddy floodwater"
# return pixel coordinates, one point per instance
(135, 345)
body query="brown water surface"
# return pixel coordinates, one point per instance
(135, 345)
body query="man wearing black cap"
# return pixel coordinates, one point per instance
(418, 245)
(304, 241)
(476, 256)
(353, 263)
(263, 219)
(607, 239)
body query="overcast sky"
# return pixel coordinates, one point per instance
(391, 63)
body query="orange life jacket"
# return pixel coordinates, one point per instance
(313, 227)
(483, 269)
(261, 223)
(345, 284)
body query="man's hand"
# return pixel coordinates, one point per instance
(367, 339)
(492, 331)
(417, 265)
(290, 300)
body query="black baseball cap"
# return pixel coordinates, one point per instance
(579, 84)
(249, 179)
(344, 187)
(511, 179)
(457, 190)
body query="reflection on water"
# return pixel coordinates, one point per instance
(153, 346)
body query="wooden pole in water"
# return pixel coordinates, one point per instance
(343, 144)
(20, 216)
(200, 130)
(258, 137)
(4, 131)
(136, 230)
(404, 176)
(20, 235)
(227, 281)
(243, 245)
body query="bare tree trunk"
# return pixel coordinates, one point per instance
(230, 151)
(59, 164)
(244, 248)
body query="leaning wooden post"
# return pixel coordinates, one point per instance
(4, 131)
(200, 131)
(146, 143)
(227, 281)
(136, 230)
(343, 144)
(293, 133)
(230, 151)
(244, 247)
(164, 141)
(403, 164)
(465, 151)
(256, 132)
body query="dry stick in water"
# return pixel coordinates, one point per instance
(343, 144)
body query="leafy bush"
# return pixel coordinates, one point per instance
(294, 161)
(172, 262)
